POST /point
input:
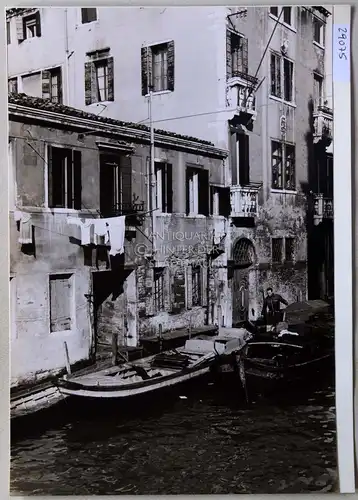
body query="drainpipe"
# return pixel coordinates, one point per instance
(152, 180)
(67, 59)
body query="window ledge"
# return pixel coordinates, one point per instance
(47, 210)
(283, 191)
(278, 99)
(82, 25)
(164, 214)
(160, 92)
(319, 45)
(196, 216)
(288, 26)
(64, 333)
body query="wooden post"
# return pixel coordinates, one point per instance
(160, 337)
(67, 359)
(114, 348)
(219, 315)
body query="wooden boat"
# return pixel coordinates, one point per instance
(158, 371)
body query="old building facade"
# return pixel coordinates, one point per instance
(255, 83)
(66, 163)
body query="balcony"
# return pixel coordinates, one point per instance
(244, 201)
(323, 209)
(241, 94)
(323, 125)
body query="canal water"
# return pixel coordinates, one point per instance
(200, 439)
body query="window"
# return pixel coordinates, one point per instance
(32, 26)
(317, 91)
(318, 31)
(240, 158)
(32, 85)
(277, 250)
(289, 249)
(282, 77)
(283, 166)
(12, 85)
(115, 184)
(8, 32)
(99, 77)
(197, 191)
(220, 201)
(196, 285)
(52, 85)
(157, 68)
(64, 178)
(88, 15)
(237, 54)
(159, 289)
(164, 187)
(61, 302)
(285, 14)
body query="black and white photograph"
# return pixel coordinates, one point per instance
(172, 304)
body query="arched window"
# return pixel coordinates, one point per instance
(243, 253)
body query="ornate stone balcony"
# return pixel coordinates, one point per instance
(323, 208)
(241, 93)
(244, 201)
(323, 124)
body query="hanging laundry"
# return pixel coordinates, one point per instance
(116, 230)
(26, 236)
(85, 226)
(100, 231)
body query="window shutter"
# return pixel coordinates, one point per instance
(169, 188)
(144, 63)
(228, 55)
(49, 175)
(110, 67)
(77, 179)
(204, 285)
(189, 288)
(20, 35)
(278, 77)
(59, 89)
(203, 192)
(245, 57)
(171, 65)
(126, 179)
(38, 23)
(88, 81)
(178, 291)
(187, 192)
(46, 81)
(224, 202)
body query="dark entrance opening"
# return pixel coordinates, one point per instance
(243, 259)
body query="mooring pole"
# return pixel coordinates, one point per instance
(160, 337)
(114, 348)
(67, 359)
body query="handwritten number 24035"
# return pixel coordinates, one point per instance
(342, 37)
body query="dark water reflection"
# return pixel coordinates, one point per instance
(200, 440)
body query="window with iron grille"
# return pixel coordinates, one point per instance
(277, 250)
(282, 77)
(99, 77)
(283, 166)
(64, 178)
(159, 289)
(157, 63)
(88, 15)
(289, 249)
(196, 285)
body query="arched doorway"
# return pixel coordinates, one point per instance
(243, 259)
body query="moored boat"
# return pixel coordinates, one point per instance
(158, 371)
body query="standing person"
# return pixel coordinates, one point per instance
(271, 309)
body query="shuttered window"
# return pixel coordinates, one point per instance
(61, 301)
(52, 85)
(115, 185)
(64, 178)
(28, 26)
(220, 201)
(197, 191)
(164, 187)
(157, 66)
(277, 250)
(12, 85)
(99, 77)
